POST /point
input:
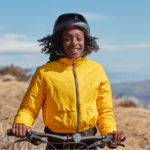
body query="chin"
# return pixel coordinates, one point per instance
(75, 56)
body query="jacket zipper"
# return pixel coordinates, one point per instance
(77, 94)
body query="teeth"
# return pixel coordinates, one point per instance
(74, 49)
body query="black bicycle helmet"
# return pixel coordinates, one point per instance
(70, 19)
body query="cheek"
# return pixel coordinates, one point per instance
(83, 44)
(64, 44)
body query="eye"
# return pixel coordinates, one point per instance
(67, 39)
(79, 39)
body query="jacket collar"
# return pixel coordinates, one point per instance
(70, 61)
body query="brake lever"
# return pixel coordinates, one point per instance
(21, 140)
(36, 140)
(119, 144)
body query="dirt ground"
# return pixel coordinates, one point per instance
(133, 121)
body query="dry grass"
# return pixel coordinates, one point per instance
(128, 103)
(8, 143)
(19, 73)
(134, 121)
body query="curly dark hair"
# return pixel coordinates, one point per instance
(52, 45)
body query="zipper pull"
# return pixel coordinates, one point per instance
(73, 62)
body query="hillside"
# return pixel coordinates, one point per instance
(138, 91)
(134, 121)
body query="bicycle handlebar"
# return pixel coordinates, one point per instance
(51, 136)
(36, 138)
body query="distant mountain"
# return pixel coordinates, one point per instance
(133, 90)
(118, 77)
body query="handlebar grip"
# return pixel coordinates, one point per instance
(9, 132)
(112, 137)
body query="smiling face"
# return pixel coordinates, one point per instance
(73, 42)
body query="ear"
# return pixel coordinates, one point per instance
(88, 34)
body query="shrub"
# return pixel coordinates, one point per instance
(19, 73)
(128, 103)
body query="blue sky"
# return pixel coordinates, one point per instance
(121, 26)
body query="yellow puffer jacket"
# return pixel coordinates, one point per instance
(75, 95)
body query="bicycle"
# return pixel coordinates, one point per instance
(76, 141)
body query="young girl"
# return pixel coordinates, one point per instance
(74, 92)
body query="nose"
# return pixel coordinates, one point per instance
(74, 42)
